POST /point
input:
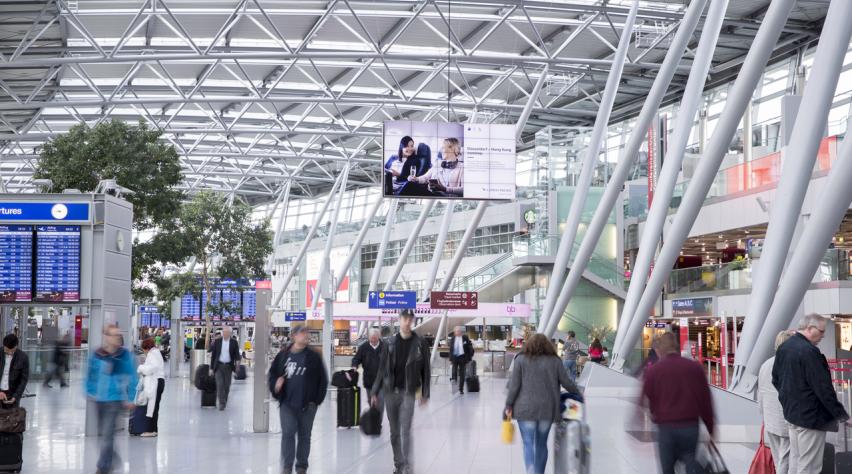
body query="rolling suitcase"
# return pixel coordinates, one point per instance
(208, 398)
(11, 452)
(348, 407)
(240, 373)
(139, 422)
(201, 371)
(571, 441)
(470, 377)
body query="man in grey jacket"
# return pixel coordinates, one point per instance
(403, 371)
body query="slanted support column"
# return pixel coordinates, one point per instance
(380, 256)
(637, 136)
(325, 281)
(566, 244)
(439, 247)
(798, 163)
(409, 244)
(708, 166)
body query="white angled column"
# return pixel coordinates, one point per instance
(409, 244)
(798, 162)
(326, 278)
(440, 241)
(566, 244)
(627, 158)
(738, 98)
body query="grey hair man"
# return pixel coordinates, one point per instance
(803, 380)
(225, 356)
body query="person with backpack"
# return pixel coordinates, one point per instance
(111, 384)
(298, 380)
(570, 353)
(534, 397)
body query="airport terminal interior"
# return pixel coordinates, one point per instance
(222, 222)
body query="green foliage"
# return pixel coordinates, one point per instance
(138, 160)
(132, 155)
(208, 228)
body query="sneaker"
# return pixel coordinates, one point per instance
(149, 435)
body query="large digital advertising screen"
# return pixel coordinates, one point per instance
(449, 160)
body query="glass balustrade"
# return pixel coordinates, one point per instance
(547, 245)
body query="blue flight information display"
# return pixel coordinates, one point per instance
(231, 298)
(57, 263)
(16, 263)
(190, 308)
(249, 304)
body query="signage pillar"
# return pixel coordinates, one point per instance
(684, 332)
(177, 340)
(328, 319)
(260, 397)
(723, 349)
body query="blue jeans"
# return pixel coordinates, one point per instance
(571, 367)
(107, 417)
(296, 422)
(534, 434)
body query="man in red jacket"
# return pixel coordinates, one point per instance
(678, 397)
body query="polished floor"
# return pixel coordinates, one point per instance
(453, 434)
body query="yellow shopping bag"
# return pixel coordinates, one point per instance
(507, 431)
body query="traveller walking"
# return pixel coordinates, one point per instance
(110, 382)
(678, 397)
(60, 363)
(461, 353)
(803, 380)
(153, 383)
(298, 380)
(596, 351)
(225, 358)
(369, 356)
(534, 397)
(403, 371)
(570, 353)
(15, 367)
(775, 429)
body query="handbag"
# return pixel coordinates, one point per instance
(762, 462)
(507, 431)
(709, 460)
(141, 398)
(13, 420)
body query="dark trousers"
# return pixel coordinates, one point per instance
(677, 443)
(224, 374)
(459, 366)
(296, 423)
(161, 385)
(58, 372)
(107, 416)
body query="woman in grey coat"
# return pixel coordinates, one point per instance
(533, 398)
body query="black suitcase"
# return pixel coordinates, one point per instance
(240, 373)
(828, 459)
(472, 383)
(348, 406)
(208, 398)
(470, 369)
(371, 422)
(11, 452)
(139, 422)
(345, 378)
(201, 371)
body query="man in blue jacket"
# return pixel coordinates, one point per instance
(111, 383)
(803, 380)
(298, 380)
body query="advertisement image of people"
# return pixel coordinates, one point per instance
(449, 160)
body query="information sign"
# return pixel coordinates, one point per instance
(16, 263)
(44, 211)
(249, 304)
(57, 277)
(392, 299)
(454, 300)
(295, 316)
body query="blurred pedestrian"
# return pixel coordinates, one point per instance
(570, 353)
(775, 428)
(534, 397)
(153, 383)
(803, 380)
(461, 353)
(678, 397)
(224, 361)
(298, 380)
(111, 384)
(15, 370)
(596, 351)
(403, 372)
(60, 363)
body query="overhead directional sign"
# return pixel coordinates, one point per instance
(44, 211)
(295, 316)
(392, 299)
(454, 300)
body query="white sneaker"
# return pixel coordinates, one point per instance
(149, 435)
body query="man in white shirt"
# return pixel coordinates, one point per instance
(225, 356)
(15, 370)
(461, 352)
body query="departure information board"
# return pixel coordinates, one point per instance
(190, 308)
(16, 263)
(249, 304)
(57, 263)
(231, 299)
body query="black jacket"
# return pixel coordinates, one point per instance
(19, 373)
(417, 372)
(216, 349)
(802, 378)
(370, 359)
(467, 347)
(316, 378)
